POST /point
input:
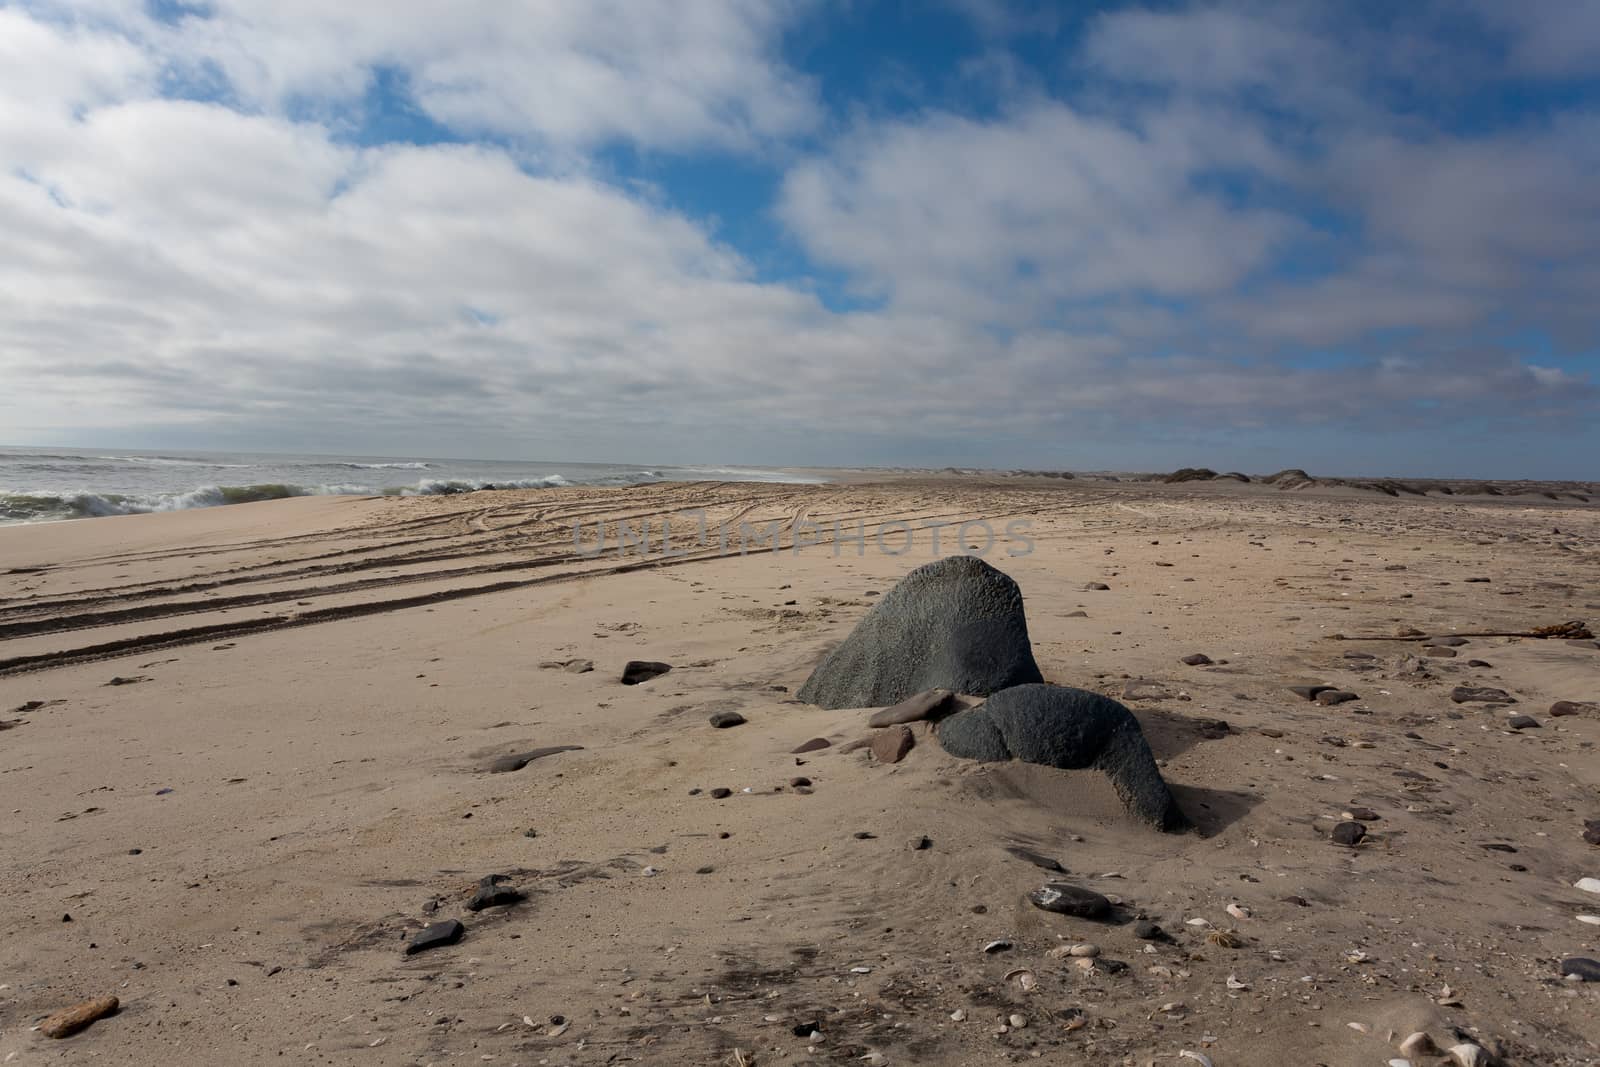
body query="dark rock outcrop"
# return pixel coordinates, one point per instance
(956, 623)
(1071, 729)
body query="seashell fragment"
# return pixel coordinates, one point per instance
(1419, 1045)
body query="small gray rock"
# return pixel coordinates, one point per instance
(724, 720)
(436, 935)
(913, 708)
(1481, 694)
(1523, 722)
(640, 670)
(519, 760)
(1065, 899)
(1582, 968)
(1349, 834)
(1196, 659)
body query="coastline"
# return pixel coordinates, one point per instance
(298, 732)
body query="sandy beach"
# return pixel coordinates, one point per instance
(245, 760)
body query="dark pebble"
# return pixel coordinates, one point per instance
(1581, 968)
(493, 893)
(720, 792)
(436, 935)
(517, 761)
(1481, 694)
(798, 782)
(1065, 899)
(1149, 931)
(1496, 846)
(722, 720)
(1198, 659)
(1097, 586)
(1330, 697)
(921, 844)
(1479, 663)
(1363, 814)
(640, 670)
(704, 870)
(1349, 834)
(1523, 722)
(1036, 858)
(864, 835)
(1572, 707)
(812, 745)
(1299, 902)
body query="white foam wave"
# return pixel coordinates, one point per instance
(386, 466)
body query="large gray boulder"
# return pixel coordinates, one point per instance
(955, 624)
(1071, 729)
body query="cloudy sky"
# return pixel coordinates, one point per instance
(1358, 238)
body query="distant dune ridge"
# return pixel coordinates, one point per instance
(1294, 479)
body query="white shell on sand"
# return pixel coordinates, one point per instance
(1469, 1055)
(1588, 885)
(1419, 1044)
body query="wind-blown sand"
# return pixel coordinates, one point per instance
(289, 785)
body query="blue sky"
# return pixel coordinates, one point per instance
(1358, 238)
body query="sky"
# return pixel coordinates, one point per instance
(1357, 238)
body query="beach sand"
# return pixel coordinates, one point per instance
(255, 769)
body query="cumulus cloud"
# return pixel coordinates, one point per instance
(199, 241)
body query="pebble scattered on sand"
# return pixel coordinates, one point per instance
(724, 720)
(1349, 833)
(913, 708)
(892, 745)
(1480, 694)
(1065, 899)
(71, 1020)
(1581, 969)
(436, 935)
(638, 670)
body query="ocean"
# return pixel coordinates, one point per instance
(51, 484)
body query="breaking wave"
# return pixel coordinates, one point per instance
(46, 507)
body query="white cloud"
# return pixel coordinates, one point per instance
(1008, 218)
(570, 74)
(241, 267)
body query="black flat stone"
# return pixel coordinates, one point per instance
(640, 670)
(519, 760)
(1037, 859)
(1065, 899)
(436, 935)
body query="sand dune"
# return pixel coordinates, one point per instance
(289, 781)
